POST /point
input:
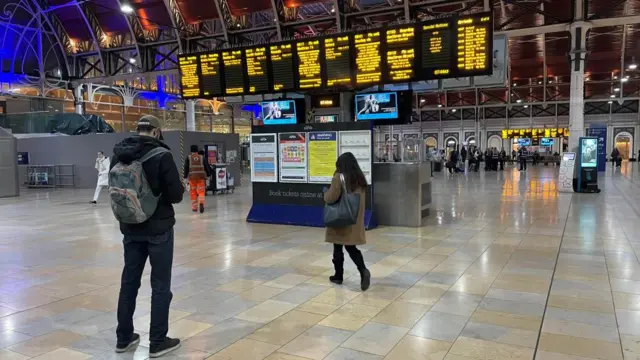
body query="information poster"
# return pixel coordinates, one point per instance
(212, 154)
(264, 152)
(293, 157)
(359, 144)
(323, 151)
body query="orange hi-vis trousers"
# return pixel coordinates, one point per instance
(197, 190)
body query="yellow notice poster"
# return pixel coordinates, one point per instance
(323, 152)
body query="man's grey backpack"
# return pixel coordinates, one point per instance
(132, 200)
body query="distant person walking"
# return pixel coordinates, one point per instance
(102, 165)
(522, 156)
(197, 172)
(143, 184)
(348, 237)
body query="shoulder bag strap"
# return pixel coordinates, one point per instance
(344, 185)
(156, 151)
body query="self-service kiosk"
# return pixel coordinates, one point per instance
(587, 165)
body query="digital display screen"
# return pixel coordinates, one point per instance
(211, 79)
(473, 42)
(523, 141)
(589, 152)
(400, 54)
(436, 49)
(337, 51)
(282, 68)
(376, 106)
(190, 79)
(454, 47)
(257, 70)
(325, 118)
(568, 156)
(279, 112)
(368, 58)
(233, 72)
(546, 142)
(309, 68)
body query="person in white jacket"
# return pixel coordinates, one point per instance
(102, 165)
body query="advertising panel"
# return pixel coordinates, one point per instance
(293, 157)
(323, 151)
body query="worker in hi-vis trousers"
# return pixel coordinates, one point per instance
(196, 170)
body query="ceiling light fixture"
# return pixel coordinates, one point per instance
(439, 105)
(609, 102)
(453, 110)
(616, 89)
(126, 8)
(422, 100)
(132, 60)
(633, 66)
(625, 79)
(612, 96)
(519, 101)
(333, 10)
(526, 106)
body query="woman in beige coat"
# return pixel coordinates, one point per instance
(352, 235)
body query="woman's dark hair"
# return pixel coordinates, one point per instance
(349, 167)
(194, 148)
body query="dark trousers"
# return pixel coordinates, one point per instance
(523, 163)
(354, 254)
(501, 164)
(159, 250)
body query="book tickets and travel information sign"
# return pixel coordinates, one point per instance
(293, 157)
(323, 150)
(264, 154)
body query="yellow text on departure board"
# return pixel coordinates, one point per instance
(368, 58)
(472, 44)
(210, 64)
(279, 54)
(400, 53)
(337, 60)
(256, 61)
(232, 61)
(309, 64)
(189, 76)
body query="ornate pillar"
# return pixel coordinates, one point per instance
(78, 99)
(576, 95)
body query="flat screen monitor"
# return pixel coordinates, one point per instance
(279, 112)
(524, 142)
(589, 155)
(326, 118)
(377, 106)
(546, 141)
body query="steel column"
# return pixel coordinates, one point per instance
(576, 95)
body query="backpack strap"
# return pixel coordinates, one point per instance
(151, 154)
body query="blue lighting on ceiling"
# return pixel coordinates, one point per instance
(161, 98)
(256, 109)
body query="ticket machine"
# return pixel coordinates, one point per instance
(587, 165)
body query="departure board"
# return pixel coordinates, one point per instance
(368, 58)
(473, 42)
(282, 68)
(233, 72)
(309, 69)
(459, 46)
(257, 70)
(211, 79)
(337, 57)
(190, 79)
(400, 54)
(436, 49)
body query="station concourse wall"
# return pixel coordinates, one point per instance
(81, 151)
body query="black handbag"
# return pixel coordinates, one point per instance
(343, 212)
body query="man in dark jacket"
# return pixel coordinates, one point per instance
(152, 239)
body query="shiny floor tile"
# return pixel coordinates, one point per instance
(504, 263)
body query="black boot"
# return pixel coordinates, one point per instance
(338, 264)
(365, 279)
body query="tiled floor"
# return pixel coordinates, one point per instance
(507, 268)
